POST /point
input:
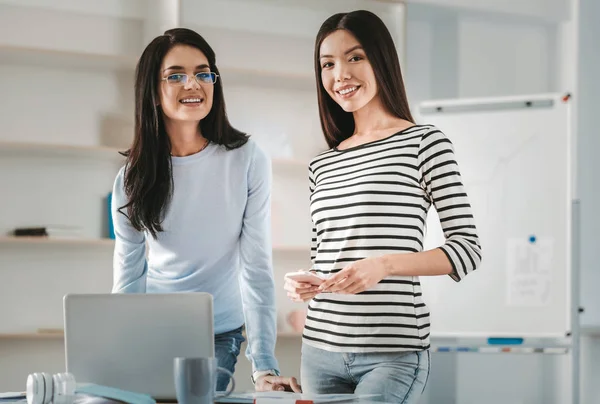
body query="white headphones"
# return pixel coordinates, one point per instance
(44, 388)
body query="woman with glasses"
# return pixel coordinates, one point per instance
(367, 328)
(191, 206)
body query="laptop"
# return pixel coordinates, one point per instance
(129, 341)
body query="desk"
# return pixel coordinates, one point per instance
(99, 400)
(337, 402)
(83, 399)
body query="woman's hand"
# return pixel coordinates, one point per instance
(356, 277)
(300, 292)
(277, 383)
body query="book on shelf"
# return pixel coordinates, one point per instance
(48, 231)
(111, 227)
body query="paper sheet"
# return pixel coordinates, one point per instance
(12, 395)
(529, 272)
(275, 395)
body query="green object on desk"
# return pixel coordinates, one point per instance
(114, 394)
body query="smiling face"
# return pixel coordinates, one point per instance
(191, 101)
(346, 73)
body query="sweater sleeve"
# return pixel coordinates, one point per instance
(256, 278)
(313, 239)
(441, 179)
(129, 258)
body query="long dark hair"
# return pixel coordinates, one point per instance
(374, 37)
(148, 178)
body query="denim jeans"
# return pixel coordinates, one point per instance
(399, 377)
(227, 349)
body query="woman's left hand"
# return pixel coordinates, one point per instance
(277, 383)
(356, 277)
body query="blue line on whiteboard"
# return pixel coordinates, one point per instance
(505, 341)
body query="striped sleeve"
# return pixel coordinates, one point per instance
(441, 179)
(313, 235)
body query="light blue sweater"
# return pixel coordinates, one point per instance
(216, 239)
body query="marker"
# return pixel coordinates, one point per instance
(505, 341)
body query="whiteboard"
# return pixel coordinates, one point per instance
(515, 158)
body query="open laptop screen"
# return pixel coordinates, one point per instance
(129, 341)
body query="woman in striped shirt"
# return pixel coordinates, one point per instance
(367, 328)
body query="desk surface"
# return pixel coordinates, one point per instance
(101, 400)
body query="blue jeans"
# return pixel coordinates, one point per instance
(227, 349)
(399, 377)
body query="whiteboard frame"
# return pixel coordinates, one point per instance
(543, 100)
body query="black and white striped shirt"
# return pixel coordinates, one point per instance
(372, 200)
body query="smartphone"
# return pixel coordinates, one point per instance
(305, 277)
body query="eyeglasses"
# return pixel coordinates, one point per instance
(181, 79)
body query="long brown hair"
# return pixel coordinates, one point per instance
(148, 178)
(374, 37)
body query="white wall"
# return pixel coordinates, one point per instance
(589, 166)
(62, 106)
(20, 357)
(497, 58)
(590, 388)
(588, 87)
(456, 54)
(115, 8)
(70, 30)
(555, 10)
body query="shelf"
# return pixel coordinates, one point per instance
(59, 334)
(282, 164)
(64, 59)
(40, 334)
(289, 334)
(10, 240)
(103, 152)
(61, 150)
(269, 60)
(267, 79)
(20, 55)
(291, 249)
(100, 242)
